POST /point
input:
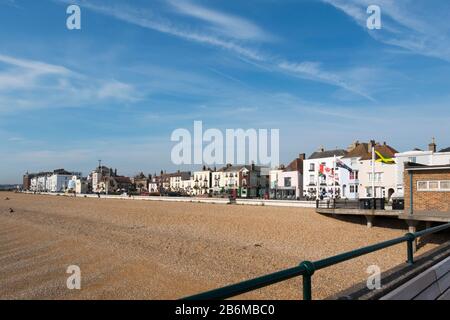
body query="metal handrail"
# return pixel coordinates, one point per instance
(308, 268)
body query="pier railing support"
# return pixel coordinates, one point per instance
(307, 286)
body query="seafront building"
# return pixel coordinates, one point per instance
(201, 182)
(425, 157)
(287, 182)
(56, 181)
(320, 180)
(339, 173)
(427, 190)
(242, 181)
(378, 182)
(141, 182)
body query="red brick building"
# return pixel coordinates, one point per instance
(427, 192)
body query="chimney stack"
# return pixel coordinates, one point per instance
(353, 146)
(371, 144)
(432, 146)
(321, 149)
(302, 156)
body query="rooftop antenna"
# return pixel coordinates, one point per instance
(99, 164)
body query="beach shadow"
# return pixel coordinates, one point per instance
(381, 222)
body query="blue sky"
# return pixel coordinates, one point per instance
(138, 70)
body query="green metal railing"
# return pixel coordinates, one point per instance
(308, 268)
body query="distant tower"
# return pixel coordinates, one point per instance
(432, 146)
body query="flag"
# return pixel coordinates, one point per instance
(321, 170)
(383, 159)
(342, 165)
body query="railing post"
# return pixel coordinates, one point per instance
(307, 292)
(410, 248)
(307, 287)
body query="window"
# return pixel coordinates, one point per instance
(354, 175)
(311, 167)
(287, 182)
(422, 185)
(378, 177)
(352, 189)
(434, 185)
(412, 159)
(445, 185)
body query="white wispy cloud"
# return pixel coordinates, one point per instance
(148, 19)
(26, 84)
(222, 23)
(418, 26)
(36, 66)
(313, 71)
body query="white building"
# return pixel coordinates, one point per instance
(81, 185)
(429, 157)
(201, 182)
(178, 181)
(186, 186)
(56, 181)
(287, 182)
(99, 175)
(39, 182)
(319, 180)
(59, 180)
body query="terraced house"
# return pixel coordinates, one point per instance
(319, 179)
(287, 182)
(241, 180)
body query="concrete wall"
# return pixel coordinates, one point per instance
(274, 203)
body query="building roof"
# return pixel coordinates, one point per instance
(445, 150)
(234, 168)
(122, 179)
(359, 151)
(412, 166)
(62, 172)
(327, 154)
(385, 150)
(296, 164)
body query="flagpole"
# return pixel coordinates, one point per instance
(373, 173)
(334, 177)
(317, 183)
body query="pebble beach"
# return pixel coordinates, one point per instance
(162, 250)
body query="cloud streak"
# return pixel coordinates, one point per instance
(30, 84)
(419, 27)
(147, 19)
(226, 24)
